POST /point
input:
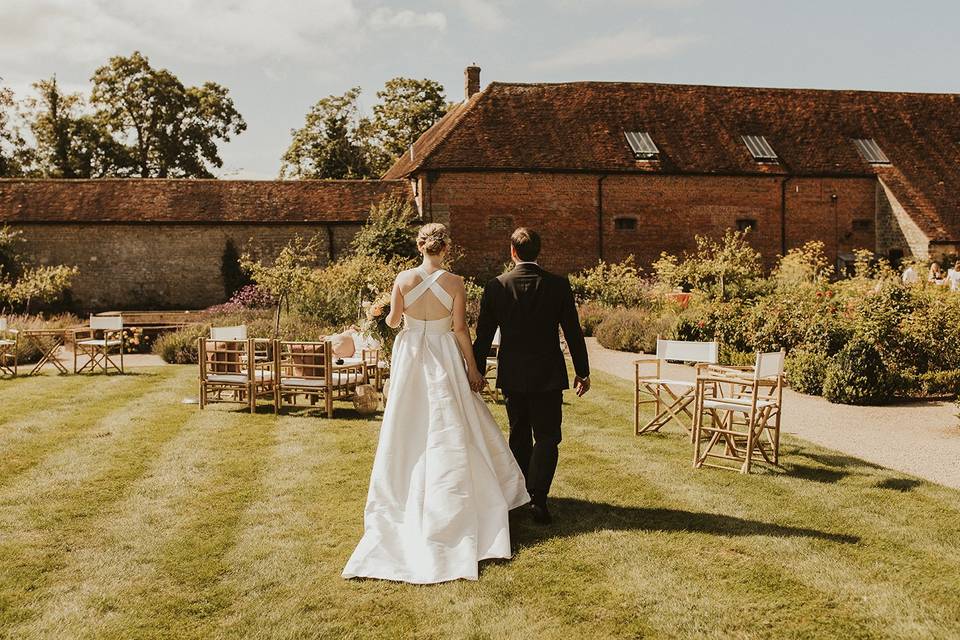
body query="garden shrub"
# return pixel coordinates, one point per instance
(335, 294)
(805, 371)
(725, 269)
(858, 375)
(389, 232)
(614, 284)
(634, 330)
(591, 315)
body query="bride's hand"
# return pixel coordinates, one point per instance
(476, 379)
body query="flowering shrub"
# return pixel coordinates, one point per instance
(249, 297)
(615, 284)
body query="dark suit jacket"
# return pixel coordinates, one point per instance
(530, 305)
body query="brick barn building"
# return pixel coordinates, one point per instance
(602, 169)
(608, 169)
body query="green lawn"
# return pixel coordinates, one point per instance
(126, 514)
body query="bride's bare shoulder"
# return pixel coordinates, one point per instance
(452, 280)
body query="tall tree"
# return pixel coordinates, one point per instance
(407, 108)
(331, 142)
(337, 142)
(14, 153)
(69, 142)
(166, 129)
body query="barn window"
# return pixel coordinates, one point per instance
(642, 145)
(760, 149)
(863, 224)
(746, 224)
(870, 151)
(624, 224)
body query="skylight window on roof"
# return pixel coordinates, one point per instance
(871, 151)
(642, 145)
(760, 149)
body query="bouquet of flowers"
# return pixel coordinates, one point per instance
(374, 325)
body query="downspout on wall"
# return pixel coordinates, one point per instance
(600, 216)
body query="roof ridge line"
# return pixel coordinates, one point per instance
(466, 106)
(720, 86)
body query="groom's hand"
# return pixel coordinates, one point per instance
(581, 385)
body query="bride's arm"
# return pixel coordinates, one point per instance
(462, 334)
(396, 306)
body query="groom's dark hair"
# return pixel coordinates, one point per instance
(526, 242)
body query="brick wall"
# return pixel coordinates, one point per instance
(483, 207)
(158, 266)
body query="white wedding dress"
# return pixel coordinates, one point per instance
(443, 477)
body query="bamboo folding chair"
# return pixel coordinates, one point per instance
(490, 370)
(9, 348)
(225, 366)
(673, 398)
(238, 332)
(376, 368)
(744, 407)
(99, 344)
(307, 369)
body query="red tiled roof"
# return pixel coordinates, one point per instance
(190, 201)
(580, 126)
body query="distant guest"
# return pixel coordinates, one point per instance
(910, 275)
(936, 275)
(953, 277)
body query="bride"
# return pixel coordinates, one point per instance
(443, 477)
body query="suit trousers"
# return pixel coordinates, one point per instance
(535, 419)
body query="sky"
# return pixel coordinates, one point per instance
(278, 57)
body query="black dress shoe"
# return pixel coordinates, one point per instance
(540, 514)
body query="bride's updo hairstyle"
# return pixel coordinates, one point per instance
(433, 239)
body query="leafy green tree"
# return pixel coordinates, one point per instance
(289, 274)
(234, 277)
(335, 141)
(14, 154)
(69, 142)
(407, 107)
(388, 232)
(165, 129)
(331, 142)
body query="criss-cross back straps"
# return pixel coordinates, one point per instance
(429, 282)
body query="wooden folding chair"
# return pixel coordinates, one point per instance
(304, 369)
(377, 369)
(743, 407)
(238, 332)
(231, 366)
(9, 348)
(99, 343)
(490, 370)
(673, 398)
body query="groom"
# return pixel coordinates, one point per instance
(530, 305)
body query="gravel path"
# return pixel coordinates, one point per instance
(921, 438)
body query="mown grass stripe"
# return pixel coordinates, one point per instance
(40, 432)
(47, 511)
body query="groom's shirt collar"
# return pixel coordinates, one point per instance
(533, 262)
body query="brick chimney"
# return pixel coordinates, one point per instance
(471, 80)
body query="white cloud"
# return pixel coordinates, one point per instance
(630, 44)
(485, 14)
(89, 31)
(385, 18)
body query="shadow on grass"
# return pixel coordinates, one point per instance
(573, 517)
(902, 485)
(816, 474)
